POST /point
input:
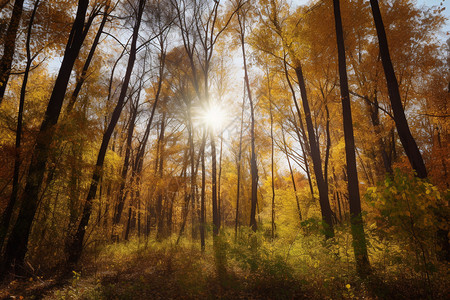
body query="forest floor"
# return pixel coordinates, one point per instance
(164, 271)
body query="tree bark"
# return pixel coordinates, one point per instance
(357, 227)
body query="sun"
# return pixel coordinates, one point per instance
(214, 116)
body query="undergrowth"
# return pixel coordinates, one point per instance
(303, 266)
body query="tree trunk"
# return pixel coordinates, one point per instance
(10, 46)
(253, 164)
(16, 247)
(76, 245)
(216, 219)
(408, 142)
(161, 232)
(292, 176)
(126, 163)
(6, 217)
(324, 202)
(238, 184)
(202, 197)
(272, 166)
(83, 76)
(304, 144)
(357, 228)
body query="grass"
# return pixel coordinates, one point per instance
(303, 267)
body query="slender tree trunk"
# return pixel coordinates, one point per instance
(357, 227)
(9, 46)
(16, 247)
(238, 184)
(272, 166)
(76, 245)
(126, 163)
(6, 217)
(325, 208)
(375, 119)
(304, 144)
(202, 197)
(193, 183)
(408, 142)
(130, 213)
(83, 76)
(292, 176)
(328, 147)
(315, 156)
(253, 164)
(219, 198)
(216, 218)
(161, 232)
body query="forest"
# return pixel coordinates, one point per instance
(234, 149)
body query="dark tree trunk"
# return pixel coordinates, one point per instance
(9, 46)
(327, 215)
(161, 232)
(83, 76)
(357, 228)
(238, 184)
(6, 217)
(408, 142)
(304, 144)
(126, 163)
(375, 119)
(202, 197)
(272, 165)
(216, 218)
(219, 198)
(76, 245)
(253, 164)
(16, 247)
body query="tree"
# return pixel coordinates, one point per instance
(359, 240)
(75, 246)
(313, 144)
(16, 247)
(6, 217)
(408, 142)
(241, 15)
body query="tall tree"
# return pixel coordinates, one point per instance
(16, 247)
(357, 228)
(75, 245)
(6, 217)
(199, 23)
(408, 141)
(325, 208)
(241, 15)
